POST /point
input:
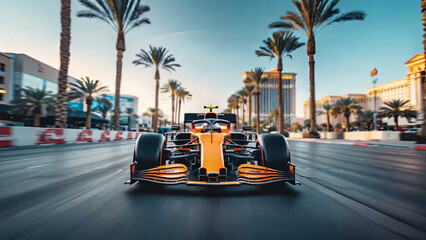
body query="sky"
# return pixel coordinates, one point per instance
(215, 40)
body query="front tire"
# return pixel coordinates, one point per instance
(275, 152)
(148, 152)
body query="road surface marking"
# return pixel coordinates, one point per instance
(37, 166)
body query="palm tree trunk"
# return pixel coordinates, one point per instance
(244, 113)
(328, 122)
(61, 105)
(176, 107)
(89, 115)
(37, 119)
(257, 112)
(280, 98)
(173, 108)
(347, 123)
(238, 117)
(395, 119)
(157, 89)
(119, 66)
(311, 52)
(180, 104)
(249, 116)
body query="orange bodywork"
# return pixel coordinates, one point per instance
(211, 151)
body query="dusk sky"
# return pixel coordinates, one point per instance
(214, 41)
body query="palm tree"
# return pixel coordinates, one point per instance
(365, 119)
(234, 104)
(397, 108)
(346, 106)
(34, 101)
(327, 109)
(273, 114)
(158, 57)
(279, 46)
(256, 79)
(249, 89)
(104, 107)
(88, 90)
(182, 95)
(151, 113)
(129, 112)
(243, 100)
(61, 105)
(122, 16)
(312, 16)
(170, 87)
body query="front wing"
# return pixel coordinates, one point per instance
(179, 174)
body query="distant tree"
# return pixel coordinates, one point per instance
(34, 101)
(104, 108)
(171, 87)
(281, 44)
(295, 127)
(157, 57)
(122, 16)
(129, 112)
(256, 79)
(234, 103)
(307, 123)
(273, 114)
(182, 95)
(395, 109)
(243, 100)
(364, 120)
(327, 110)
(249, 89)
(89, 90)
(151, 113)
(312, 16)
(347, 107)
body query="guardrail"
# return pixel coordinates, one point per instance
(27, 136)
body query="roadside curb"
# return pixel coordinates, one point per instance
(368, 144)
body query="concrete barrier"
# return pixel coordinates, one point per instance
(296, 135)
(334, 135)
(385, 135)
(360, 136)
(27, 136)
(372, 135)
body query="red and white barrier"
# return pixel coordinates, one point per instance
(26, 136)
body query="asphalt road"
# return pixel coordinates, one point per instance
(347, 192)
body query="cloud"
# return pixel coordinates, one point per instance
(176, 34)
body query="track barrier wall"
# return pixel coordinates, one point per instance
(27, 136)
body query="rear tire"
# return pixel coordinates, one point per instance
(275, 153)
(149, 150)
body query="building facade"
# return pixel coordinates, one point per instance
(126, 101)
(408, 88)
(322, 118)
(5, 72)
(29, 72)
(268, 97)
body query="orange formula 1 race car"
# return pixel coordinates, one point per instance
(211, 154)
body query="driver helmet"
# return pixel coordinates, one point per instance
(216, 127)
(206, 127)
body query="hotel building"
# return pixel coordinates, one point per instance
(408, 88)
(269, 95)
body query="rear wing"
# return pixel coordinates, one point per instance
(190, 117)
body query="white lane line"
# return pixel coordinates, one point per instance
(37, 166)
